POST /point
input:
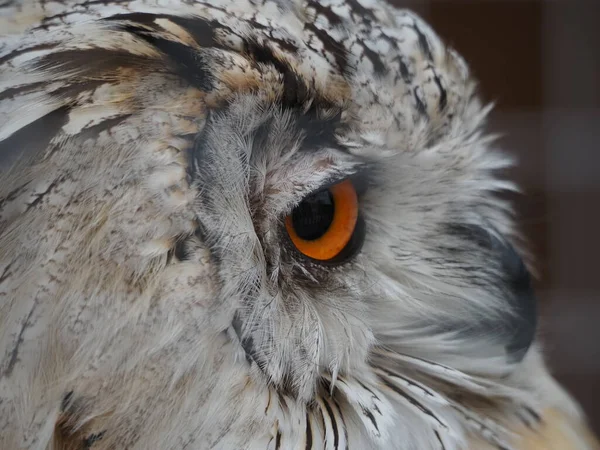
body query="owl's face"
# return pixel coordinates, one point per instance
(254, 225)
(334, 251)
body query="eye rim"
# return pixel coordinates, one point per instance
(345, 234)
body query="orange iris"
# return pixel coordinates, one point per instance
(337, 232)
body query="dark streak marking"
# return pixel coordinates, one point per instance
(343, 423)
(420, 105)
(443, 96)
(107, 124)
(404, 72)
(423, 43)
(439, 438)
(278, 440)
(6, 273)
(72, 90)
(268, 403)
(104, 2)
(16, 53)
(413, 402)
(14, 356)
(295, 90)
(319, 130)
(535, 415)
(360, 10)
(370, 416)
(208, 4)
(13, 194)
(45, 24)
(12, 92)
(92, 439)
(286, 45)
(139, 17)
(308, 433)
(247, 343)
(378, 66)
(200, 29)
(326, 11)
(336, 437)
(32, 138)
(431, 363)
(188, 62)
(40, 195)
(369, 390)
(410, 382)
(337, 50)
(66, 401)
(323, 421)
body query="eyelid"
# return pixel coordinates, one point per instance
(359, 179)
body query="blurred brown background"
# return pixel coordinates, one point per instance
(540, 61)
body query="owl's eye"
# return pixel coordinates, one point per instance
(326, 225)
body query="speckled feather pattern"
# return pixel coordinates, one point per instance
(149, 151)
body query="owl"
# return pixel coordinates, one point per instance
(258, 224)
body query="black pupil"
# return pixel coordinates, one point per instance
(312, 217)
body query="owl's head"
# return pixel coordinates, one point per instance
(337, 251)
(301, 194)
